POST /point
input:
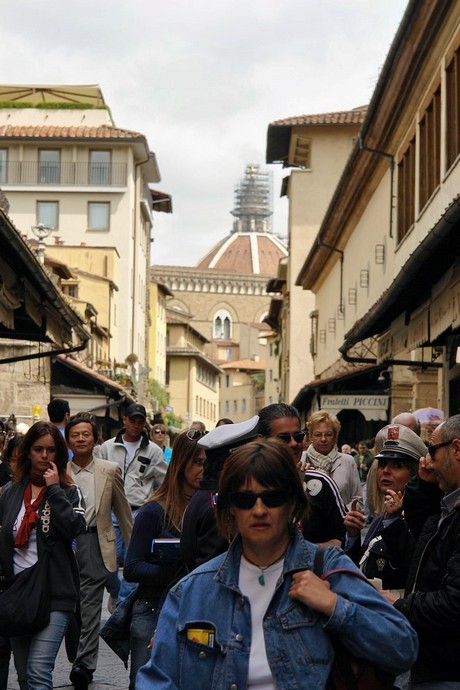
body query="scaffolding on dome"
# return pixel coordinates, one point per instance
(253, 201)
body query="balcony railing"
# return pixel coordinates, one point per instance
(85, 174)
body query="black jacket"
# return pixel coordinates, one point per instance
(66, 522)
(327, 510)
(421, 500)
(200, 540)
(432, 600)
(388, 552)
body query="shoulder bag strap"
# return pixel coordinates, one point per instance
(318, 564)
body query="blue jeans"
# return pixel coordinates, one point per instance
(125, 588)
(143, 623)
(34, 655)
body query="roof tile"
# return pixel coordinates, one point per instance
(341, 117)
(59, 132)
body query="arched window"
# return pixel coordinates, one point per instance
(222, 325)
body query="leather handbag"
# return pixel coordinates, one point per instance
(25, 604)
(348, 672)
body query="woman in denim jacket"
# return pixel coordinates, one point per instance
(258, 616)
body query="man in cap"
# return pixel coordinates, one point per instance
(432, 599)
(200, 539)
(142, 465)
(388, 545)
(327, 510)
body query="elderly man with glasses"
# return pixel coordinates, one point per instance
(432, 598)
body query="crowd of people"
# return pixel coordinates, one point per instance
(217, 537)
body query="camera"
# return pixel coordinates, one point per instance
(145, 462)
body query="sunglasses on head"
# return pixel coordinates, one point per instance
(245, 500)
(195, 434)
(298, 436)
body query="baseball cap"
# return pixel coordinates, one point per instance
(400, 443)
(136, 409)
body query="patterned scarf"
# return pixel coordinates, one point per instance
(30, 517)
(322, 462)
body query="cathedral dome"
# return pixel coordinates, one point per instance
(250, 248)
(246, 252)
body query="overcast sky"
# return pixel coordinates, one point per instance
(202, 79)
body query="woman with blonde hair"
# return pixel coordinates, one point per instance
(158, 435)
(154, 566)
(324, 455)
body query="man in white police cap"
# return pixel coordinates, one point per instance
(387, 548)
(200, 539)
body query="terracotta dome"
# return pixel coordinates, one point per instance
(246, 252)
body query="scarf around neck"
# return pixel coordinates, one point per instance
(30, 517)
(322, 462)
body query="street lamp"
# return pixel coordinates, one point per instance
(41, 232)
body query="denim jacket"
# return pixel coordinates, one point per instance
(298, 648)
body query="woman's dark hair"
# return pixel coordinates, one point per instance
(13, 443)
(271, 463)
(82, 418)
(224, 420)
(171, 494)
(23, 465)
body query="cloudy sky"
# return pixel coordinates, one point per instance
(202, 79)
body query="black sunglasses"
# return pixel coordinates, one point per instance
(245, 500)
(298, 436)
(158, 431)
(194, 434)
(432, 449)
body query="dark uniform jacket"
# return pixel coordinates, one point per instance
(200, 540)
(386, 552)
(432, 600)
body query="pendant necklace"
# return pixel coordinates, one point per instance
(261, 577)
(263, 568)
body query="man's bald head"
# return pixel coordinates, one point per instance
(407, 419)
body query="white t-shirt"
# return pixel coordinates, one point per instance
(24, 558)
(259, 596)
(131, 447)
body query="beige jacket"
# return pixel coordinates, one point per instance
(109, 495)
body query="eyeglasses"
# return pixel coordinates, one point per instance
(298, 436)
(245, 500)
(432, 449)
(195, 434)
(158, 431)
